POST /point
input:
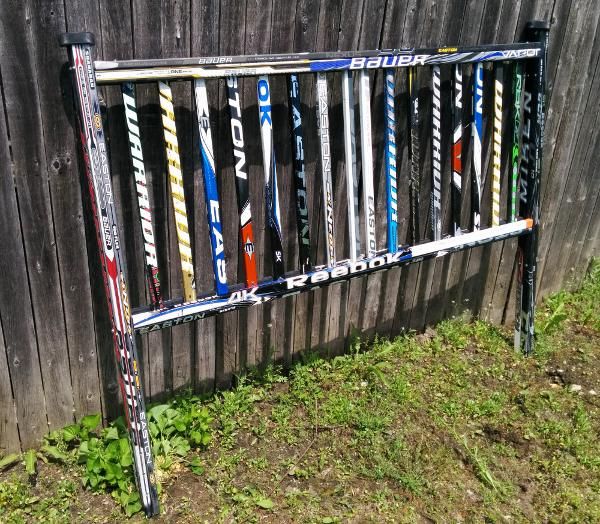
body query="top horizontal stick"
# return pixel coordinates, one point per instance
(116, 71)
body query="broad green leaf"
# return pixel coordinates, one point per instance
(30, 460)
(264, 503)
(196, 466)
(91, 421)
(179, 424)
(9, 460)
(113, 450)
(71, 432)
(54, 452)
(84, 449)
(156, 411)
(171, 414)
(133, 508)
(111, 433)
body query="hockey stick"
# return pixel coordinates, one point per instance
(476, 137)
(436, 152)
(456, 191)
(177, 314)
(269, 166)
(531, 157)
(299, 173)
(223, 66)
(137, 164)
(497, 148)
(241, 181)
(177, 194)
(366, 145)
(391, 180)
(350, 159)
(211, 192)
(99, 182)
(323, 130)
(517, 95)
(414, 155)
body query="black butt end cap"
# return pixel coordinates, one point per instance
(67, 39)
(538, 24)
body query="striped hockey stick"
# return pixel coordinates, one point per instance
(177, 194)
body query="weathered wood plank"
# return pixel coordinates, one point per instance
(175, 42)
(305, 37)
(282, 311)
(86, 17)
(391, 280)
(257, 41)
(9, 433)
(19, 341)
(350, 33)
(435, 300)
(370, 38)
(472, 31)
(573, 92)
(65, 194)
(493, 256)
(232, 24)
(156, 347)
(434, 25)
(35, 207)
(204, 14)
(330, 19)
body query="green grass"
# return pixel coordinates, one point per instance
(449, 426)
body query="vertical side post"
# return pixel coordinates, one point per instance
(531, 171)
(113, 267)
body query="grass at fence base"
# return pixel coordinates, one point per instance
(451, 425)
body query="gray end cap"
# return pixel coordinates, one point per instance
(538, 24)
(67, 39)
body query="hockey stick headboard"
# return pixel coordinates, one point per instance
(512, 76)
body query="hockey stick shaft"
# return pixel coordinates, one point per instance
(211, 191)
(113, 267)
(218, 67)
(391, 179)
(325, 149)
(514, 182)
(366, 142)
(350, 160)
(476, 134)
(299, 172)
(178, 314)
(241, 181)
(139, 171)
(456, 185)
(414, 156)
(533, 134)
(436, 152)
(269, 166)
(497, 147)
(177, 193)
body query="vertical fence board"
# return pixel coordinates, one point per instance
(9, 433)
(86, 17)
(204, 13)
(65, 196)
(35, 208)
(16, 310)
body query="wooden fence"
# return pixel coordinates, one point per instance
(56, 356)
